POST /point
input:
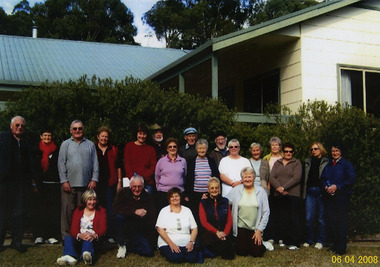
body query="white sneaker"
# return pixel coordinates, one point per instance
(293, 248)
(281, 243)
(318, 246)
(39, 240)
(87, 257)
(121, 252)
(70, 260)
(306, 245)
(52, 240)
(268, 245)
(111, 240)
(271, 241)
(66, 260)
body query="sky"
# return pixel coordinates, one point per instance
(145, 34)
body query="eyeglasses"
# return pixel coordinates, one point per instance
(136, 186)
(288, 151)
(77, 128)
(172, 146)
(230, 147)
(314, 149)
(19, 125)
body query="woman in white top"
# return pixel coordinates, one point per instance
(177, 230)
(231, 166)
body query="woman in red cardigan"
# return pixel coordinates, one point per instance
(89, 223)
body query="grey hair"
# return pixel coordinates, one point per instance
(247, 170)
(213, 180)
(256, 145)
(137, 178)
(89, 193)
(18, 117)
(234, 141)
(76, 121)
(201, 142)
(275, 139)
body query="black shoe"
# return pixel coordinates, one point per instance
(19, 247)
(331, 250)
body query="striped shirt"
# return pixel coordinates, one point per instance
(202, 175)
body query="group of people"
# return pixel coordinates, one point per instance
(197, 204)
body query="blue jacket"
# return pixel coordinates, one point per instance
(342, 175)
(221, 209)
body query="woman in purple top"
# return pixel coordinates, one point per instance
(170, 172)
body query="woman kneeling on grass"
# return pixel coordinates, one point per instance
(89, 223)
(178, 230)
(250, 213)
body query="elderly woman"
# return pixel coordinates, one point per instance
(170, 172)
(88, 225)
(46, 214)
(199, 171)
(338, 177)
(134, 219)
(275, 151)
(177, 230)
(312, 192)
(140, 158)
(250, 214)
(109, 175)
(231, 166)
(260, 166)
(215, 217)
(286, 177)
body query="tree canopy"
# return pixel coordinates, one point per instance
(190, 23)
(92, 20)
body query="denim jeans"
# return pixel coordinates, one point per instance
(314, 210)
(137, 242)
(69, 244)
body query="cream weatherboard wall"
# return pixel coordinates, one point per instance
(346, 37)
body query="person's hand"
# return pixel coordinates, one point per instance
(221, 235)
(119, 186)
(190, 246)
(66, 187)
(204, 196)
(141, 212)
(280, 189)
(175, 248)
(331, 189)
(257, 237)
(186, 199)
(91, 184)
(284, 193)
(236, 183)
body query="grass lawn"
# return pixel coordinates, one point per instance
(46, 255)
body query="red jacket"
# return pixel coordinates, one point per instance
(99, 224)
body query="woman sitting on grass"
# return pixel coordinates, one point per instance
(89, 223)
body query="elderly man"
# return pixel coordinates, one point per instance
(135, 219)
(188, 150)
(158, 138)
(221, 149)
(78, 169)
(16, 172)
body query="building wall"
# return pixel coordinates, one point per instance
(349, 36)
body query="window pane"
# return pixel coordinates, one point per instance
(352, 87)
(252, 96)
(270, 90)
(372, 83)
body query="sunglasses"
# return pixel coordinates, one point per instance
(314, 149)
(172, 146)
(19, 125)
(77, 128)
(288, 151)
(233, 147)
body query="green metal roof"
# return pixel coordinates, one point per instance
(27, 61)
